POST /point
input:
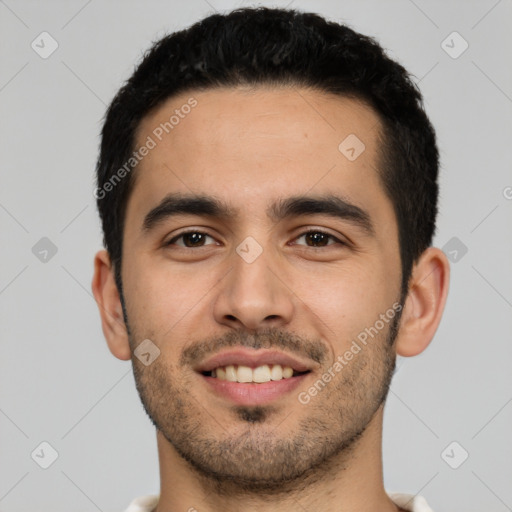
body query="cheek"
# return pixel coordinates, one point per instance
(343, 301)
(161, 296)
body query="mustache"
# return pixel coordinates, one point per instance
(270, 338)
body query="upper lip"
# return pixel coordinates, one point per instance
(253, 359)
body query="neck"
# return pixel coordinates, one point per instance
(352, 481)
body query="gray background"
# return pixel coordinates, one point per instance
(58, 381)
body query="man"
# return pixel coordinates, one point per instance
(267, 185)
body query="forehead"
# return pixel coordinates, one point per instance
(250, 146)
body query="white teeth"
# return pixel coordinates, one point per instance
(231, 373)
(264, 373)
(244, 374)
(287, 372)
(261, 374)
(276, 372)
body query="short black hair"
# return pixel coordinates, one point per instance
(279, 47)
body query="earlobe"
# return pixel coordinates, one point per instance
(107, 297)
(425, 302)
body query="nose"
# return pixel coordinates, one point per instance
(253, 295)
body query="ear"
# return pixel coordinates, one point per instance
(107, 297)
(424, 305)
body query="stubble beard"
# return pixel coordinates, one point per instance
(264, 449)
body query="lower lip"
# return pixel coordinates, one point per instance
(242, 393)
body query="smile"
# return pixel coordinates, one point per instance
(258, 375)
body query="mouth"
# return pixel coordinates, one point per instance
(249, 377)
(258, 375)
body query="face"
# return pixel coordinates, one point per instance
(257, 247)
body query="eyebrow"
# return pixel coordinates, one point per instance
(180, 204)
(208, 206)
(330, 205)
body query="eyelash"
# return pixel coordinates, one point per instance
(310, 231)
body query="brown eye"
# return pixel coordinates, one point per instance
(190, 239)
(318, 239)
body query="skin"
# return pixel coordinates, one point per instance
(250, 148)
